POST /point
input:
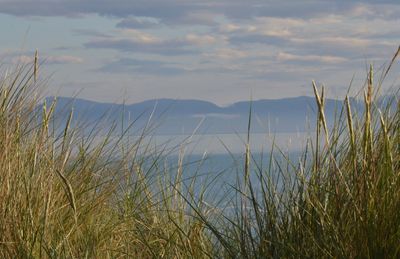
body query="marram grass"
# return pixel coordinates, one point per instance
(64, 195)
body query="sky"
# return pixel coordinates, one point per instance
(216, 50)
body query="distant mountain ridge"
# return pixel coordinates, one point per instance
(175, 116)
(192, 106)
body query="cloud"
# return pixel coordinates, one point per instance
(137, 66)
(7, 55)
(138, 23)
(283, 56)
(265, 30)
(131, 40)
(336, 40)
(176, 11)
(229, 27)
(22, 59)
(139, 36)
(14, 57)
(256, 38)
(63, 60)
(227, 53)
(166, 47)
(173, 11)
(89, 33)
(337, 34)
(49, 60)
(201, 39)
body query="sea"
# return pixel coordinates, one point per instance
(213, 166)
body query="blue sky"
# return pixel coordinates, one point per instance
(222, 50)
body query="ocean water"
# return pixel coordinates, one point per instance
(212, 166)
(204, 168)
(231, 143)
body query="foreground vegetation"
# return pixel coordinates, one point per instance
(64, 194)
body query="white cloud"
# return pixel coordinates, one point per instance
(229, 27)
(227, 53)
(23, 59)
(279, 22)
(283, 56)
(138, 36)
(276, 33)
(201, 39)
(362, 10)
(336, 40)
